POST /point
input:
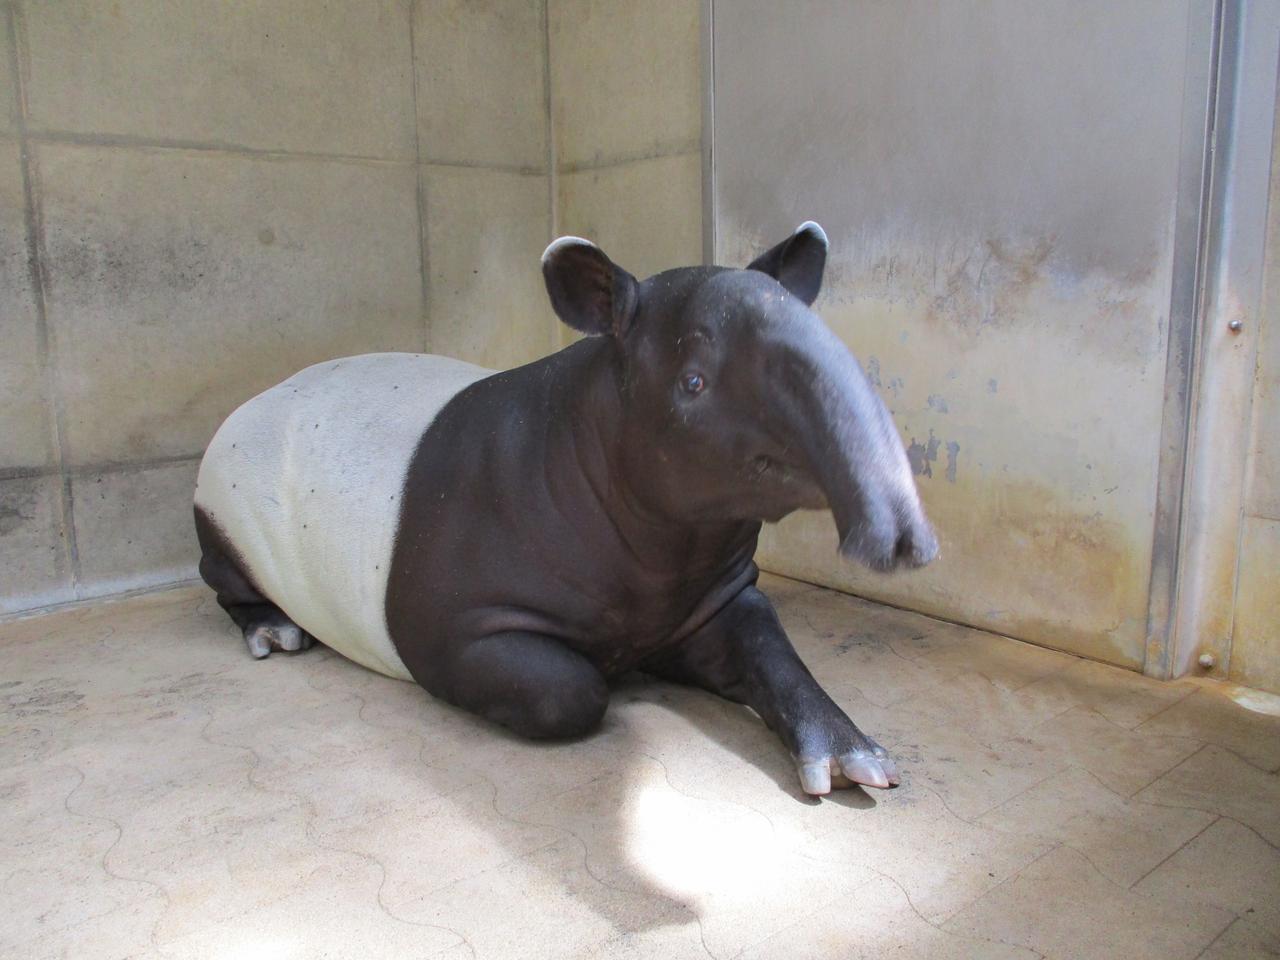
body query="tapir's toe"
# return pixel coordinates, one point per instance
(815, 777)
(275, 633)
(865, 769)
(259, 641)
(820, 777)
(888, 766)
(837, 755)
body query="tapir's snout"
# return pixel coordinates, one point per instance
(855, 454)
(900, 537)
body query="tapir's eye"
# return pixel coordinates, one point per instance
(693, 383)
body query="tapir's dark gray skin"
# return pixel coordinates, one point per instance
(597, 511)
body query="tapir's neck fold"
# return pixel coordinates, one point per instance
(590, 429)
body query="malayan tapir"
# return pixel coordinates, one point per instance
(512, 541)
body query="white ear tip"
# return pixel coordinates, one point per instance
(810, 226)
(560, 243)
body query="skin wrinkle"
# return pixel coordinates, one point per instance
(842, 452)
(641, 529)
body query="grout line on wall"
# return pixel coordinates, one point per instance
(27, 473)
(420, 195)
(130, 466)
(553, 206)
(663, 150)
(33, 220)
(553, 175)
(93, 469)
(522, 169)
(708, 64)
(72, 138)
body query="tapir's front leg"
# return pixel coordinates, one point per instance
(743, 654)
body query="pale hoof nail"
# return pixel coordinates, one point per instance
(888, 766)
(815, 777)
(891, 771)
(259, 642)
(864, 769)
(289, 638)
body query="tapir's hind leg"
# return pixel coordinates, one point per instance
(265, 626)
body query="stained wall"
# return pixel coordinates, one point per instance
(198, 199)
(1000, 185)
(1255, 643)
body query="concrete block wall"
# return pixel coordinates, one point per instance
(198, 199)
(626, 107)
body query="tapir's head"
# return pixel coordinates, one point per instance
(739, 402)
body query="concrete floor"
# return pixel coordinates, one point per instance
(166, 796)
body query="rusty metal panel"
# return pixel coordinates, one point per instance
(1255, 644)
(1001, 184)
(1234, 265)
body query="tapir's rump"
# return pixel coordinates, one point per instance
(305, 480)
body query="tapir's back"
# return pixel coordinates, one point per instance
(305, 480)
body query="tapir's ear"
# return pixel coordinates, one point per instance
(798, 261)
(589, 291)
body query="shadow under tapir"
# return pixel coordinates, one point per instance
(512, 541)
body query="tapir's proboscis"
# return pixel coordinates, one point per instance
(514, 540)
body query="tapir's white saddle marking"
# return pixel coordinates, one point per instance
(305, 481)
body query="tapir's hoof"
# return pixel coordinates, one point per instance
(277, 632)
(869, 767)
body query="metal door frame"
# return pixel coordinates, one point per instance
(1196, 635)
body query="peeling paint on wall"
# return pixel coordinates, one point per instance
(1001, 258)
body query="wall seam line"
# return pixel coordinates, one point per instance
(419, 185)
(707, 43)
(33, 219)
(216, 148)
(131, 141)
(676, 148)
(553, 174)
(96, 467)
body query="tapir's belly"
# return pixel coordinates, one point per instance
(305, 482)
